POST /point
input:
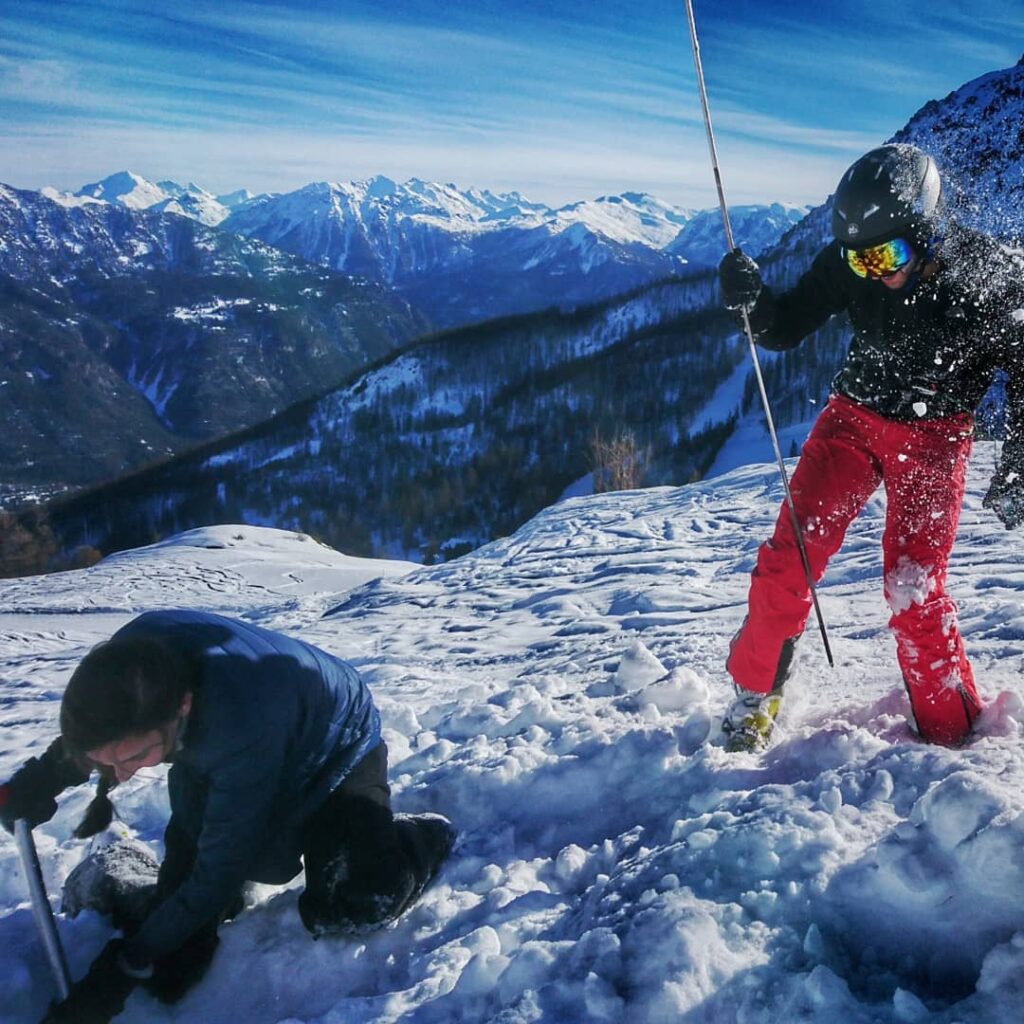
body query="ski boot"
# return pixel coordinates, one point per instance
(748, 723)
(428, 839)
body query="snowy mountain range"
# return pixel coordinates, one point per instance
(463, 436)
(461, 255)
(466, 256)
(126, 335)
(136, 193)
(134, 329)
(446, 418)
(557, 694)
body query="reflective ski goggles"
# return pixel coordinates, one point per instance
(880, 260)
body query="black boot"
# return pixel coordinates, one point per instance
(366, 867)
(427, 840)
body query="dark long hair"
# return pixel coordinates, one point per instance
(121, 688)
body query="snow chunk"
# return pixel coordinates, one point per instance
(956, 809)
(908, 584)
(679, 690)
(907, 1007)
(570, 861)
(637, 668)
(118, 879)
(1004, 966)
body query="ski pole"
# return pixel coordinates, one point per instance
(745, 312)
(41, 907)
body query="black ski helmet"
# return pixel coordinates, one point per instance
(893, 190)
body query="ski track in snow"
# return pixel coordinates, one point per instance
(552, 693)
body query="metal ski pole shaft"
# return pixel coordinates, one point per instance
(41, 907)
(797, 532)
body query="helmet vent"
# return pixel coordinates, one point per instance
(893, 190)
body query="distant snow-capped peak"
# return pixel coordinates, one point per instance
(197, 204)
(172, 188)
(131, 190)
(754, 228)
(126, 189)
(626, 218)
(630, 218)
(232, 200)
(69, 199)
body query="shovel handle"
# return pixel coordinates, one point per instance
(41, 910)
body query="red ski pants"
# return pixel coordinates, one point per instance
(848, 453)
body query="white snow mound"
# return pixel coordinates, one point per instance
(556, 694)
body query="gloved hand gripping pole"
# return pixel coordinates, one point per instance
(797, 532)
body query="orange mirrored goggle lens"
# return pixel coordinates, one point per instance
(880, 260)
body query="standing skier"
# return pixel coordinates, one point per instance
(275, 754)
(936, 309)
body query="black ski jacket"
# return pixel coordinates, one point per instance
(926, 353)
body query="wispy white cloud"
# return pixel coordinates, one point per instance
(548, 167)
(34, 77)
(573, 97)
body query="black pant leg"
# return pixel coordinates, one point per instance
(358, 870)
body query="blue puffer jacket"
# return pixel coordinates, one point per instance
(275, 725)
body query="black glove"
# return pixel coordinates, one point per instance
(33, 790)
(739, 279)
(30, 794)
(177, 972)
(1005, 497)
(100, 995)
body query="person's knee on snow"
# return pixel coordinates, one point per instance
(365, 865)
(357, 874)
(359, 879)
(353, 891)
(341, 908)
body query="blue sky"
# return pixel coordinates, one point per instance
(561, 100)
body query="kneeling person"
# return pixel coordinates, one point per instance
(276, 759)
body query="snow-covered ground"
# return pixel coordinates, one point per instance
(614, 863)
(750, 442)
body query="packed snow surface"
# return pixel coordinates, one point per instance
(557, 694)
